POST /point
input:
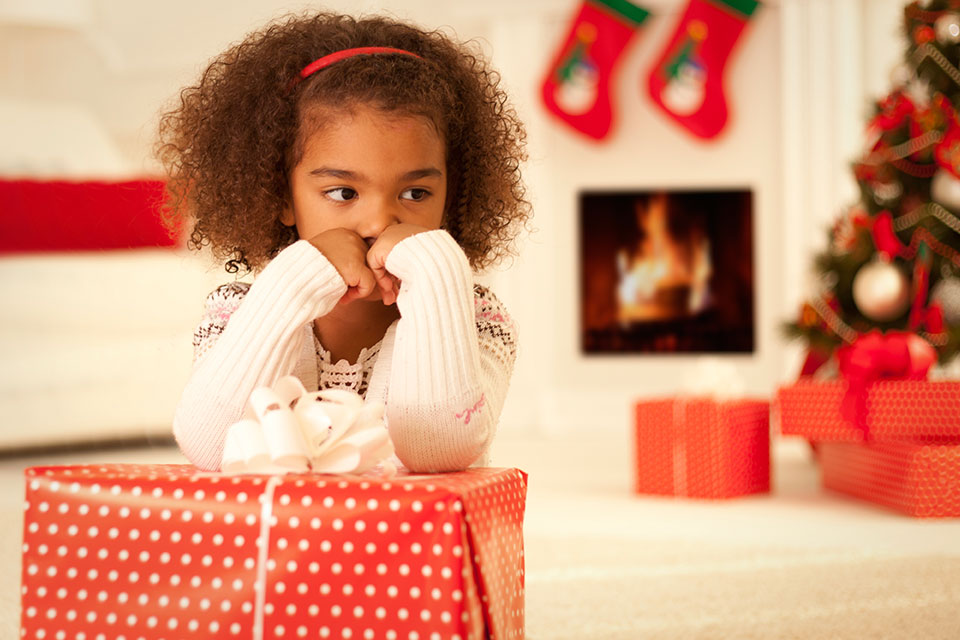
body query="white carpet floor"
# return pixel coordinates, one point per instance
(604, 563)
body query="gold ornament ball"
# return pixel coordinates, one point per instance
(945, 189)
(947, 28)
(881, 291)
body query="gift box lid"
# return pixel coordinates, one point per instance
(901, 410)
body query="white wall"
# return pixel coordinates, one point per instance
(797, 88)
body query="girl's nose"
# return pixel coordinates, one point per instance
(375, 221)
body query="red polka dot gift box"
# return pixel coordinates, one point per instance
(918, 479)
(163, 551)
(702, 448)
(889, 410)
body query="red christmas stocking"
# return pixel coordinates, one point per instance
(577, 88)
(687, 80)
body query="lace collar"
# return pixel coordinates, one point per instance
(365, 359)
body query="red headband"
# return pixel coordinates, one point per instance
(337, 56)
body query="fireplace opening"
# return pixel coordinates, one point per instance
(667, 271)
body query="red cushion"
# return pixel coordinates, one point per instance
(75, 216)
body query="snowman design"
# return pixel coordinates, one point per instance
(685, 89)
(685, 92)
(579, 77)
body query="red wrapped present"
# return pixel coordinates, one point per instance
(163, 551)
(702, 448)
(894, 410)
(921, 480)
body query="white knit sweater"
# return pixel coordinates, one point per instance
(442, 369)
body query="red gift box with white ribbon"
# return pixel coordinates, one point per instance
(164, 551)
(702, 448)
(893, 410)
(918, 479)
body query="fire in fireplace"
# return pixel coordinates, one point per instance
(667, 271)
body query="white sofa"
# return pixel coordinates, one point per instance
(93, 345)
(96, 346)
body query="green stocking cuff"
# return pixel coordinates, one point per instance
(743, 7)
(626, 9)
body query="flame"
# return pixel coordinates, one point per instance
(662, 277)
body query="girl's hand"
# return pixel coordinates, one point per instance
(347, 252)
(377, 257)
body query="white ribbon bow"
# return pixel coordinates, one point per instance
(285, 429)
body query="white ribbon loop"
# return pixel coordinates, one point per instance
(289, 430)
(341, 418)
(314, 422)
(281, 430)
(244, 447)
(289, 389)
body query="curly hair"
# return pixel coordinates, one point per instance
(231, 142)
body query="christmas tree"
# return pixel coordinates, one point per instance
(891, 268)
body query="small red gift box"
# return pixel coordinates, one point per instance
(702, 448)
(921, 480)
(895, 410)
(163, 551)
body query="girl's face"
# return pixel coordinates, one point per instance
(366, 169)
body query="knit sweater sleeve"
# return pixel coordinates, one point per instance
(452, 357)
(241, 346)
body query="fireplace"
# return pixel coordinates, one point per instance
(666, 272)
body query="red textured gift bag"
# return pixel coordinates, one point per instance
(921, 480)
(702, 448)
(163, 551)
(895, 410)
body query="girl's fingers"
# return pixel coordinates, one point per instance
(366, 282)
(389, 289)
(394, 288)
(376, 259)
(385, 283)
(389, 296)
(360, 282)
(372, 274)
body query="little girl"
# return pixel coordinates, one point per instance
(362, 168)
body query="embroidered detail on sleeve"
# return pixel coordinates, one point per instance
(218, 307)
(466, 414)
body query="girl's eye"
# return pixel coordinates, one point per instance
(415, 194)
(341, 194)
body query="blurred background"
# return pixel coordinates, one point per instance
(96, 344)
